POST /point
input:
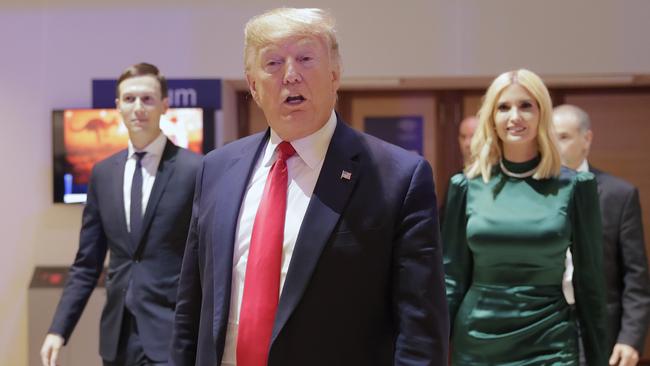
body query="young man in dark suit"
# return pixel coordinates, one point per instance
(138, 209)
(625, 261)
(310, 243)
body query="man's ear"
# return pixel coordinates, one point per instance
(117, 103)
(165, 103)
(252, 87)
(588, 138)
(336, 77)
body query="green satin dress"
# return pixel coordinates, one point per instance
(505, 250)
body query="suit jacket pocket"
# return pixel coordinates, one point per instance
(361, 237)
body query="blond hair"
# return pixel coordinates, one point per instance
(486, 146)
(280, 23)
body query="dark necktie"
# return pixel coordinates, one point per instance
(136, 200)
(262, 282)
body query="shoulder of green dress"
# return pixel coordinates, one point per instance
(459, 180)
(570, 176)
(584, 177)
(585, 184)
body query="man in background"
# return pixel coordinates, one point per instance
(310, 243)
(625, 261)
(465, 134)
(138, 209)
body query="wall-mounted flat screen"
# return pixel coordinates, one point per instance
(82, 137)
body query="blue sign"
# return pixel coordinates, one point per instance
(404, 131)
(187, 93)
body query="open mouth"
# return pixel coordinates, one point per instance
(294, 99)
(516, 129)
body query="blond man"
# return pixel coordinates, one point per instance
(311, 243)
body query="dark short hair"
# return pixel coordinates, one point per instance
(142, 69)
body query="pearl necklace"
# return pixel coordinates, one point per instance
(516, 175)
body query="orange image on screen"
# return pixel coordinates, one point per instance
(91, 135)
(184, 127)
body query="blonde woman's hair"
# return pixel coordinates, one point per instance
(280, 23)
(486, 146)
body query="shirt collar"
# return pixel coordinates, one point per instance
(155, 148)
(584, 167)
(311, 149)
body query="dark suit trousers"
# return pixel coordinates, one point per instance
(130, 351)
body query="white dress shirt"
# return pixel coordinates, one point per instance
(303, 171)
(567, 278)
(150, 162)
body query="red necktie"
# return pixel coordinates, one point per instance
(262, 282)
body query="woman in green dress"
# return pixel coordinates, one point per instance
(509, 221)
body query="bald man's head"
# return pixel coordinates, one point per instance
(465, 133)
(573, 131)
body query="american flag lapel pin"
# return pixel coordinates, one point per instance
(346, 175)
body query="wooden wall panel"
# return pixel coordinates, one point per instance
(471, 104)
(395, 106)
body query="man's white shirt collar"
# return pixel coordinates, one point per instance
(155, 148)
(584, 167)
(311, 149)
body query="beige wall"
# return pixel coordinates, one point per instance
(52, 49)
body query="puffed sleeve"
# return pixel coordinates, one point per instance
(588, 279)
(457, 258)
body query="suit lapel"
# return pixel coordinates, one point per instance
(330, 196)
(233, 180)
(598, 174)
(118, 193)
(164, 172)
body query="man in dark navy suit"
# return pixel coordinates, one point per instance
(310, 243)
(625, 260)
(138, 208)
